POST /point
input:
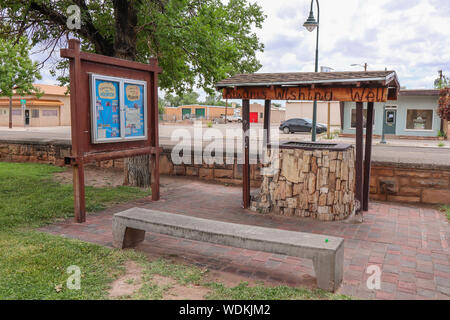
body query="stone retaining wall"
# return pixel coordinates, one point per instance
(407, 183)
(413, 183)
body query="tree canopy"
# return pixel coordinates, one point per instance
(214, 99)
(17, 70)
(197, 43)
(442, 82)
(187, 98)
(444, 104)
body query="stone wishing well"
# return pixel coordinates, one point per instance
(314, 180)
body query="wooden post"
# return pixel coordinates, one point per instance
(77, 149)
(246, 142)
(359, 156)
(79, 193)
(154, 158)
(368, 156)
(267, 112)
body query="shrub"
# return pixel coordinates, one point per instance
(444, 104)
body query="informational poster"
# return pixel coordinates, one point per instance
(134, 110)
(118, 109)
(107, 109)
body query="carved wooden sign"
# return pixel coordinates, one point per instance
(308, 94)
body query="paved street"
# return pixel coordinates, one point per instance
(409, 244)
(396, 151)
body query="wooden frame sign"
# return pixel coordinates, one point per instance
(114, 114)
(351, 94)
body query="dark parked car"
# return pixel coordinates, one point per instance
(301, 125)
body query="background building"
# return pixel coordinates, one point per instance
(277, 115)
(304, 109)
(414, 114)
(50, 110)
(196, 112)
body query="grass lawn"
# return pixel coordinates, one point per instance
(33, 265)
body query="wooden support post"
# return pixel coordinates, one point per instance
(359, 156)
(267, 112)
(77, 146)
(154, 135)
(368, 156)
(78, 193)
(246, 142)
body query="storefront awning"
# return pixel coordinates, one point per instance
(32, 103)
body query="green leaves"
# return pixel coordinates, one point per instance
(202, 42)
(17, 70)
(188, 98)
(198, 43)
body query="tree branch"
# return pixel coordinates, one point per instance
(87, 30)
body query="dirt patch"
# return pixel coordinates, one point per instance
(179, 292)
(231, 280)
(129, 283)
(94, 177)
(186, 293)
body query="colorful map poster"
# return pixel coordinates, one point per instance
(134, 110)
(107, 97)
(118, 108)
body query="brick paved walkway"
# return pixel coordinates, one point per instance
(409, 244)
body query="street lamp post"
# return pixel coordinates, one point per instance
(310, 25)
(383, 136)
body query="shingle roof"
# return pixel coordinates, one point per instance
(419, 92)
(32, 102)
(305, 78)
(51, 89)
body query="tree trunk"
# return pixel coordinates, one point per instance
(137, 171)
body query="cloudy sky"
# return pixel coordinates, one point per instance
(408, 36)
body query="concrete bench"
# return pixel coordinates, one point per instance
(327, 253)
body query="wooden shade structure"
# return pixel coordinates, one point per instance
(360, 87)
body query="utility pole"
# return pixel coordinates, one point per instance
(329, 121)
(10, 112)
(226, 111)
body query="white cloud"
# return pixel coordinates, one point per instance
(409, 36)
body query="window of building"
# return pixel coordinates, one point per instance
(261, 115)
(419, 119)
(17, 112)
(49, 113)
(353, 124)
(35, 113)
